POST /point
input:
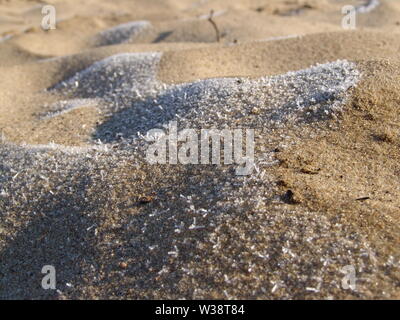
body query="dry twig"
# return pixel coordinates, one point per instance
(214, 25)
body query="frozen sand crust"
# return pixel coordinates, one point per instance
(253, 253)
(121, 76)
(246, 250)
(212, 200)
(369, 6)
(64, 106)
(135, 101)
(121, 33)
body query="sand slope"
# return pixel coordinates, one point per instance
(77, 192)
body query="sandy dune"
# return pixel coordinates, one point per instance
(77, 191)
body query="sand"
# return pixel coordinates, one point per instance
(78, 193)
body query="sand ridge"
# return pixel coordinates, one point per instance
(77, 191)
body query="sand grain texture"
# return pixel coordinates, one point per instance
(77, 192)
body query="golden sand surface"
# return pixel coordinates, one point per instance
(77, 192)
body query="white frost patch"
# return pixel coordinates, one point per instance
(66, 149)
(125, 76)
(122, 33)
(368, 6)
(136, 101)
(65, 106)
